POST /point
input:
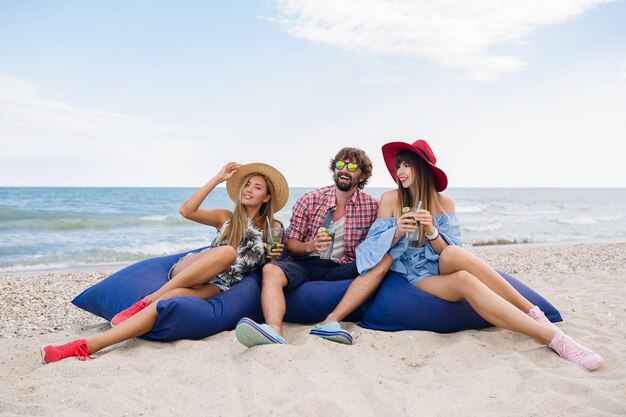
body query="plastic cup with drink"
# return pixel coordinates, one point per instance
(326, 253)
(274, 238)
(413, 237)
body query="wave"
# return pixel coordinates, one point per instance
(49, 223)
(165, 219)
(11, 214)
(154, 218)
(491, 227)
(478, 208)
(501, 241)
(102, 257)
(610, 218)
(28, 267)
(159, 249)
(588, 220)
(538, 238)
(579, 220)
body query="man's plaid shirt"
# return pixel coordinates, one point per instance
(310, 210)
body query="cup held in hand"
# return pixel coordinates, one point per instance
(326, 253)
(274, 238)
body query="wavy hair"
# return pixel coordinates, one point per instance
(235, 230)
(360, 157)
(423, 187)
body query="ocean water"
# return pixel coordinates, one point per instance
(90, 228)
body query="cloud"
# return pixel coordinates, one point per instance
(44, 141)
(461, 35)
(28, 115)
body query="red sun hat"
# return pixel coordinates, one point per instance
(420, 148)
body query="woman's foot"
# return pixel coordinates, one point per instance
(129, 312)
(570, 350)
(76, 348)
(536, 314)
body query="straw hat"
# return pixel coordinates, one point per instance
(421, 149)
(281, 188)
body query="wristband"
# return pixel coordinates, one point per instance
(434, 236)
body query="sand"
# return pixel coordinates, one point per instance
(491, 372)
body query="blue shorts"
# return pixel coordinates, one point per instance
(217, 281)
(312, 268)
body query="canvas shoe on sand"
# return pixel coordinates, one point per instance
(574, 352)
(76, 348)
(129, 312)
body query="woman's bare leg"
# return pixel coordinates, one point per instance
(489, 305)
(142, 322)
(204, 267)
(454, 259)
(185, 262)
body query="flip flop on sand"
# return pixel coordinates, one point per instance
(249, 333)
(332, 331)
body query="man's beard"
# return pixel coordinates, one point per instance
(346, 186)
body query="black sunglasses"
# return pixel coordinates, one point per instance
(352, 166)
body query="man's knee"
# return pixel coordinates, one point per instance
(274, 276)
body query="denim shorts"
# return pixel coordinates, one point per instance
(312, 268)
(217, 281)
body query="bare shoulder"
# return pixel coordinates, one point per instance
(388, 202)
(447, 203)
(389, 197)
(221, 217)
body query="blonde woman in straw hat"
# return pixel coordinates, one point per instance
(258, 191)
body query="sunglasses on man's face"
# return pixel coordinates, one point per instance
(352, 166)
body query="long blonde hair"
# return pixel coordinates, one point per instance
(423, 187)
(235, 230)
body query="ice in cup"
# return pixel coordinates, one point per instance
(414, 236)
(325, 254)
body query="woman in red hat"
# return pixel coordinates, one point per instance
(434, 261)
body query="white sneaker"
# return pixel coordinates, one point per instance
(570, 350)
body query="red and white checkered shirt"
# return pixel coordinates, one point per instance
(311, 209)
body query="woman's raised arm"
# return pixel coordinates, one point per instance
(215, 217)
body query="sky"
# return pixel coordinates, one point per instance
(162, 94)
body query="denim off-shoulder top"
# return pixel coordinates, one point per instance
(413, 263)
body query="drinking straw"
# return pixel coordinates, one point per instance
(269, 230)
(419, 204)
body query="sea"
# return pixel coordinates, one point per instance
(61, 229)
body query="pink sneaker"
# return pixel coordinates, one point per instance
(572, 351)
(536, 314)
(76, 348)
(129, 312)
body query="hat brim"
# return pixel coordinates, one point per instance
(281, 187)
(391, 149)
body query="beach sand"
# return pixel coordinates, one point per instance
(491, 372)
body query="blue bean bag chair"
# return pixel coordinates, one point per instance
(312, 301)
(194, 318)
(179, 318)
(396, 306)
